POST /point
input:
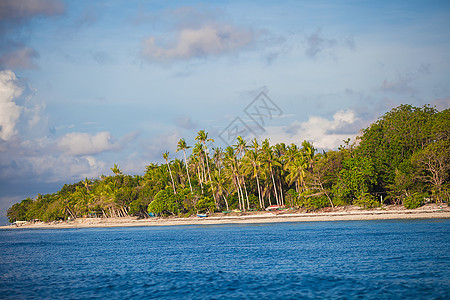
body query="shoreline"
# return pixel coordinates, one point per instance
(430, 211)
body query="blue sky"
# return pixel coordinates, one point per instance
(86, 84)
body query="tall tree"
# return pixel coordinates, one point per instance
(270, 162)
(241, 147)
(183, 146)
(433, 164)
(233, 174)
(395, 137)
(116, 170)
(254, 165)
(166, 157)
(202, 136)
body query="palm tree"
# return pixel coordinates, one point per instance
(270, 163)
(309, 150)
(202, 136)
(297, 172)
(87, 184)
(233, 174)
(280, 151)
(218, 158)
(166, 157)
(116, 170)
(183, 146)
(241, 147)
(197, 159)
(221, 189)
(253, 167)
(178, 174)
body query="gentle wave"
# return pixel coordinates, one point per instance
(353, 259)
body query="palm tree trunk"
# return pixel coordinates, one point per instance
(239, 191)
(199, 178)
(187, 170)
(246, 195)
(203, 171)
(259, 193)
(124, 212)
(226, 202)
(216, 200)
(242, 194)
(281, 193)
(239, 195)
(207, 163)
(68, 209)
(326, 194)
(275, 188)
(173, 183)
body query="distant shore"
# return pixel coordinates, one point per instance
(391, 212)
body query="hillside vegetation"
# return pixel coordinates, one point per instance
(402, 158)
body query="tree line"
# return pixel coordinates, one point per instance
(402, 158)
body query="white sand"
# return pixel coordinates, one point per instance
(430, 211)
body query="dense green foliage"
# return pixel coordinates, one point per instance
(402, 158)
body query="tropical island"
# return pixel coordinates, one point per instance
(402, 159)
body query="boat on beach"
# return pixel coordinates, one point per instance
(275, 207)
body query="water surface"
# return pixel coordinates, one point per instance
(344, 259)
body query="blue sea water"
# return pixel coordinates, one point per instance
(346, 259)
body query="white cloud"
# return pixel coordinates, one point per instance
(206, 40)
(162, 143)
(9, 110)
(78, 143)
(324, 133)
(54, 168)
(38, 160)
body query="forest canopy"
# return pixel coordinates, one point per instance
(402, 158)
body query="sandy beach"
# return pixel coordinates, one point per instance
(391, 212)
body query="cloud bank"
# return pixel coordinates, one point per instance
(44, 157)
(9, 110)
(324, 133)
(14, 16)
(207, 40)
(78, 143)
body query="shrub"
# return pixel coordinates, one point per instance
(313, 202)
(367, 200)
(414, 201)
(205, 203)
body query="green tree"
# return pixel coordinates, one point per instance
(166, 157)
(254, 166)
(202, 137)
(183, 146)
(270, 163)
(356, 180)
(18, 212)
(395, 137)
(433, 163)
(241, 147)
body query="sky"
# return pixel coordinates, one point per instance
(85, 85)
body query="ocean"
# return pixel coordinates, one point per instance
(386, 259)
